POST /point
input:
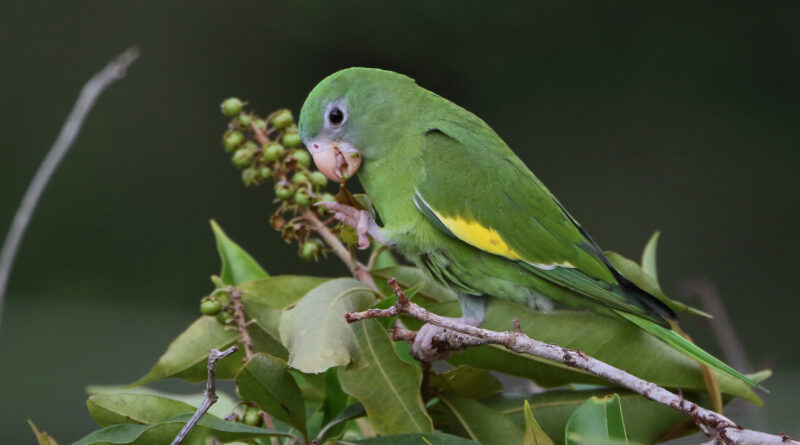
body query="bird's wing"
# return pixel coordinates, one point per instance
(478, 191)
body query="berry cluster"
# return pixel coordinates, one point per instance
(270, 149)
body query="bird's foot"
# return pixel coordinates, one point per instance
(424, 350)
(360, 220)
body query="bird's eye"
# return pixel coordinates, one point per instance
(335, 116)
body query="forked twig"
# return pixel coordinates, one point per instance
(210, 393)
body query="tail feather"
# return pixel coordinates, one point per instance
(688, 348)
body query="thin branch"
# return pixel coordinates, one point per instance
(358, 270)
(241, 324)
(466, 335)
(210, 393)
(114, 71)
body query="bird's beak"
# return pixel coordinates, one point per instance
(338, 161)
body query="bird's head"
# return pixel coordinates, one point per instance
(346, 113)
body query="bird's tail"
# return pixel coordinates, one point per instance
(688, 348)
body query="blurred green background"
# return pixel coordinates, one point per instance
(679, 117)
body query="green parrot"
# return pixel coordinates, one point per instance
(453, 198)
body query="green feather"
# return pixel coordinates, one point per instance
(690, 349)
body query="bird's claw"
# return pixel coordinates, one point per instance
(360, 220)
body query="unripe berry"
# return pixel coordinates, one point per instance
(261, 124)
(231, 106)
(273, 152)
(250, 145)
(302, 157)
(225, 317)
(318, 179)
(244, 120)
(282, 120)
(300, 178)
(310, 250)
(243, 157)
(252, 417)
(291, 139)
(266, 172)
(250, 176)
(301, 198)
(283, 191)
(232, 140)
(210, 307)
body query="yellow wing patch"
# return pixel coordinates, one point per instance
(477, 235)
(472, 232)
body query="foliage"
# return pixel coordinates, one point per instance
(314, 377)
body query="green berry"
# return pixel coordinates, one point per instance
(291, 139)
(301, 198)
(225, 317)
(302, 157)
(300, 178)
(250, 145)
(244, 120)
(210, 307)
(310, 250)
(231, 106)
(243, 157)
(273, 152)
(266, 172)
(250, 176)
(282, 120)
(283, 191)
(232, 140)
(261, 124)
(252, 416)
(318, 179)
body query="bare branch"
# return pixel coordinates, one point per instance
(210, 393)
(464, 335)
(114, 71)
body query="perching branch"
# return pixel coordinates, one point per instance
(114, 71)
(210, 393)
(464, 335)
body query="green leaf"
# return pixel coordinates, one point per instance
(266, 380)
(649, 256)
(534, 434)
(642, 279)
(387, 386)
(409, 276)
(264, 300)
(224, 406)
(646, 421)
(42, 438)
(164, 432)
(351, 412)
(187, 355)
(472, 419)
(597, 421)
(465, 381)
(142, 409)
(315, 331)
(411, 439)
(616, 342)
(237, 265)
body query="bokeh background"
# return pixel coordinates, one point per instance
(681, 117)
